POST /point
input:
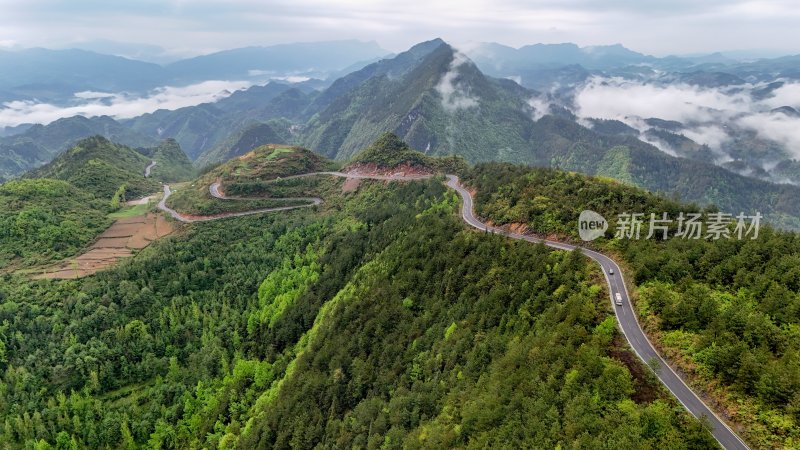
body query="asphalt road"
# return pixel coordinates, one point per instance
(149, 168)
(313, 201)
(626, 317)
(214, 190)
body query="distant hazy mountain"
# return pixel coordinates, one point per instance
(552, 66)
(301, 59)
(138, 51)
(203, 128)
(541, 66)
(40, 143)
(554, 55)
(54, 76)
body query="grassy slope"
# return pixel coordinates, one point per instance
(390, 151)
(243, 141)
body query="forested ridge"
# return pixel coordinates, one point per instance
(42, 220)
(376, 321)
(257, 177)
(98, 166)
(727, 311)
(54, 211)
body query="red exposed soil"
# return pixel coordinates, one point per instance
(404, 170)
(351, 185)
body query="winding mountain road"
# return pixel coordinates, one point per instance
(214, 190)
(149, 168)
(313, 201)
(626, 315)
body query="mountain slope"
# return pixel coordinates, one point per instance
(439, 103)
(204, 128)
(714, 306)
(172, 164)
(390, 152)
(18, 156)
(195, 128)
(40, 143)
(377, 320)
(43, 220)
(244, 141)
(313, 58)
(562, 143)
(101, 167)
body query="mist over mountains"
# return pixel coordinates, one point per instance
(710, 129)
(56, 76)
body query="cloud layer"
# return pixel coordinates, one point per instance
(656, 26)
(454, 94)
(710, 115)
(118, 105)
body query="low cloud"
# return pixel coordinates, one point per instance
(776, 127)
(786, 95)
(540, 106)
(616, 98)
(118, 105)
(710, 116)
(454, 94)
(713, 136)
(292, 78)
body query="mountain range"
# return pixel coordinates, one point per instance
(441, 102)
(548, 66)
(55, 76)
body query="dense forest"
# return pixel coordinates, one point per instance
(42, 220)
(390, 151)
(375, 321)
(101, 167)
(728, 310)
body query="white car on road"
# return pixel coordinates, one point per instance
(618, 299)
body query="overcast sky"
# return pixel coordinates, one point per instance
(658, 27)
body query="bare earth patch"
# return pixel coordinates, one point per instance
(140, 201)
(117, 242)
(402, 171)
(351, 185)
